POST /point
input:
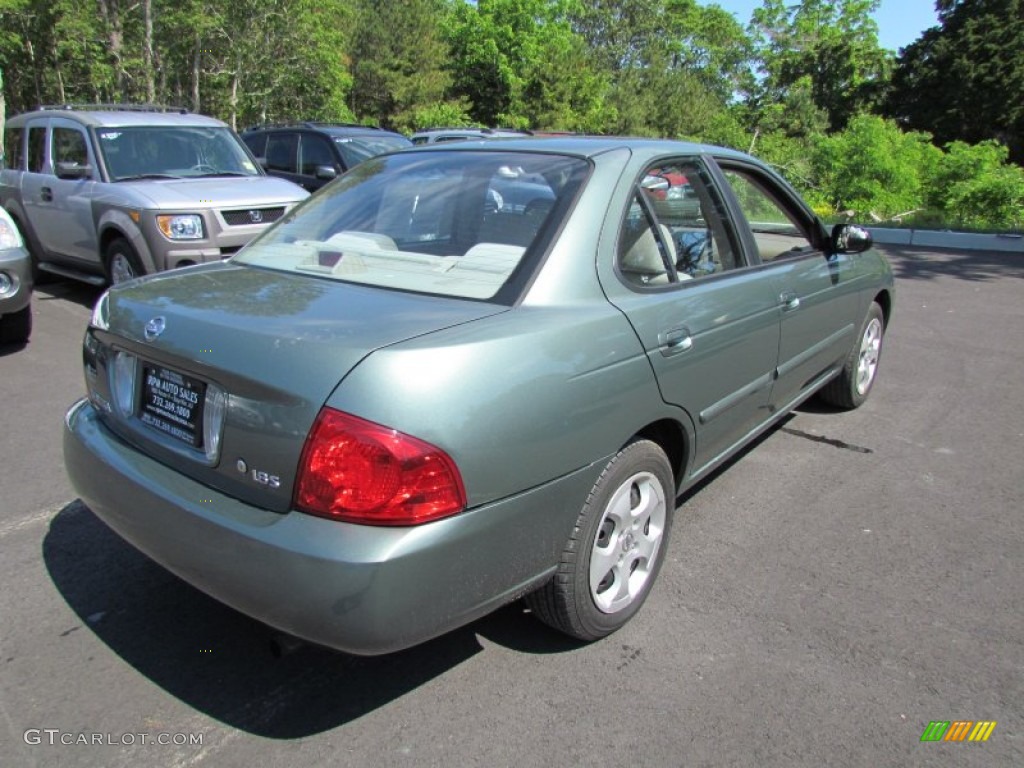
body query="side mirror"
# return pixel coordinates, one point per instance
(66, 170)
(325, 172)
(850, 238)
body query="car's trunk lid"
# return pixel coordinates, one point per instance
(277, 344)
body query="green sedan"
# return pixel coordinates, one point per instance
(464, 374)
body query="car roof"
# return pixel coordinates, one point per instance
(488, 133)
(586, 146)
(332, 129)
(112, 117)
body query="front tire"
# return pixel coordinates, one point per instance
(122, 262)
(613, 557)
(853, 385)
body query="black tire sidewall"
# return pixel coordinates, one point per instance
(639, 456)
(120, 245)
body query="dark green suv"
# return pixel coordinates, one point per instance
(311, 154)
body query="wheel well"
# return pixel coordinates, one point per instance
(671, 437)
(884, 300)
(110, 235)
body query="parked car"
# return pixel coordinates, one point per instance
(438, 135)
(411, 406)
(15, 284)
(104, 193)
(311, 154)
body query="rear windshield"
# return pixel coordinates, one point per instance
(172, 152)
(463, 224)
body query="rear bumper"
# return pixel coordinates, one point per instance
(359, 589)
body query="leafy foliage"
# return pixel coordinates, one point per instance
(802, 86)
(964, 80)
(827, 48)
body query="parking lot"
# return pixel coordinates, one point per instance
(846, 581)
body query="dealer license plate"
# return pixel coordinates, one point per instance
(172, 403)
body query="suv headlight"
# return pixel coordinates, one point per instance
(9, 235)
(182, 226)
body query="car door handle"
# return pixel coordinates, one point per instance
(46, 194)
(674, 341)
(789, 301)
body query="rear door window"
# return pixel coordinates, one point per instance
(676, 228)
(36, 148)
(15, 151)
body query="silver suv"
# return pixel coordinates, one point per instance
(105, 193)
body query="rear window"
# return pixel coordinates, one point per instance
(15, 152)
(463, 224)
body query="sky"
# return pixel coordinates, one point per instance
(900, 22)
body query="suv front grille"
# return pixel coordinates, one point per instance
(253, 216)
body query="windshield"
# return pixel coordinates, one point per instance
(453, 223)
(358, 149)
(173, 152)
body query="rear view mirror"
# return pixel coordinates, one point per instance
(850, 238)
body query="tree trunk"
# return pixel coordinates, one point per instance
(197, 61)
(147, 51)
(234, 99)
(110, 12)
(3, 115)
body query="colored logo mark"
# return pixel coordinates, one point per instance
(958, 730)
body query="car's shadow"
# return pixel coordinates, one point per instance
(66, 289)
(220, 661)
(10, 349)
(920, 263)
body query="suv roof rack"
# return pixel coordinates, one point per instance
(113, 108)
(475, 128)
(314, 124)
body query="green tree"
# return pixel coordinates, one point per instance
(674, 64)
(975, 186)
(829, 47)
(520, 64)
(399, 59)
(874, 168)
(964, 79)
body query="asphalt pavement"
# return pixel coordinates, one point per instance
(843, 583)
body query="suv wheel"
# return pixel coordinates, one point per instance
(122, 263)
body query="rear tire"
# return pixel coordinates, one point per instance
(16, 327)
(853, 385)
(121, 261)
(613, 557)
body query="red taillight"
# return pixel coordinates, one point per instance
(361, 472)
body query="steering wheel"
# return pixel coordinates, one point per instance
(203, 168)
